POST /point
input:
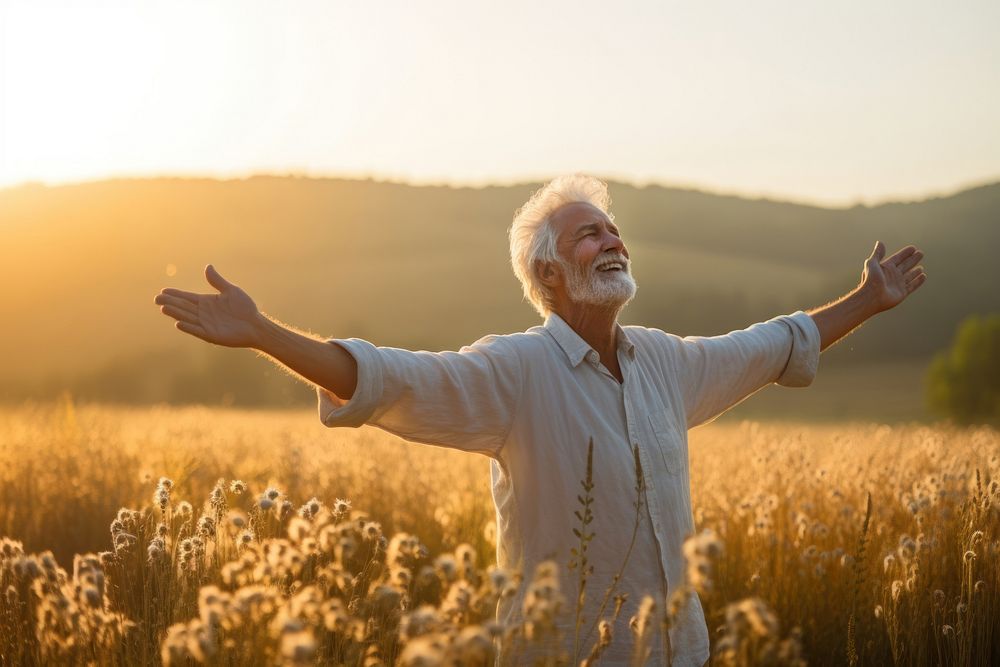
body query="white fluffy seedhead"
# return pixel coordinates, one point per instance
(532, 238)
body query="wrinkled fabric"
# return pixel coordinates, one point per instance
(532, 401)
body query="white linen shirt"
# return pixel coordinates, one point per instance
(532, 401)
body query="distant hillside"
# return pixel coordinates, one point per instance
(427, 267)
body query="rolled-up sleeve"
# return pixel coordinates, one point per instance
(465, 399)
(716, 373)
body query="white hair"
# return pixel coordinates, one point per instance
(532, 238)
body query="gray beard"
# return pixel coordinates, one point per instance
(592, 287)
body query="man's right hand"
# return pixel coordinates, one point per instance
(229, 318)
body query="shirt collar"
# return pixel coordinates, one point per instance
(575, 347)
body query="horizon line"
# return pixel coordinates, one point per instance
(480, 184)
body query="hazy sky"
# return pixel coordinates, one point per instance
(831, 102)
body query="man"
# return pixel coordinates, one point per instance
(532, 401)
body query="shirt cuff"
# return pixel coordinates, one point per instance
(334, 411)
(804, 357)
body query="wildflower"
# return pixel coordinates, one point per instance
(206, 526)
(272, 493)
(10, 548)
(162, 498)
(498, 578)
(464, 553)
(155, 549)
(473, 646)
(888, 562)
(313, 506)
(423, 652)
(165, 483)
(641, 625)
(91, 597)
(400, 577)
(897, 589)
(445, 564)
(420, 621)
(265, 503)
(341, 507)
(237, 487)
(123, 540)
(754, 615)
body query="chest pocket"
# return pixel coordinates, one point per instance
(669, 443)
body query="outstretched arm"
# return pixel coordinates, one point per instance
(885, 283)
(231, 318)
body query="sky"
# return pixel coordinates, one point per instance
(828, 103)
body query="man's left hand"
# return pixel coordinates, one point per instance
(889, 280)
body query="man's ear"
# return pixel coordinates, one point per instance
(546, 273)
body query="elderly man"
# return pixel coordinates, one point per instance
(533, 401)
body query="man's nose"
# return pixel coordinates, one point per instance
(612, 242)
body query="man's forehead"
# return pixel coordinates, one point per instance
(573, 215)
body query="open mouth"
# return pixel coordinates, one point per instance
(607, 267)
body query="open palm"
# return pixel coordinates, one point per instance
(892, 279)
(226, 318)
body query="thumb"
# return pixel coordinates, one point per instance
(215, 279)
(878, 254)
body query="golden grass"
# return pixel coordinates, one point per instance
(408, 579)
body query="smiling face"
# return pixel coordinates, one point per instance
(594, 263)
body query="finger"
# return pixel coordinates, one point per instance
(193, 329)
(215, 279)
(901, 254)
(879, 251)
(179, 314)
(912, 286)
(190, 296)
(915, 273)
(176, 302)
(911, 261)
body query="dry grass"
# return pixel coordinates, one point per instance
(206, 572)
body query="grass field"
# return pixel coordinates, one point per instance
(227, 573)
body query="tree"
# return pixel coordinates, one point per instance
(963, 382)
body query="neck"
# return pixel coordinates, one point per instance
(596, 325)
